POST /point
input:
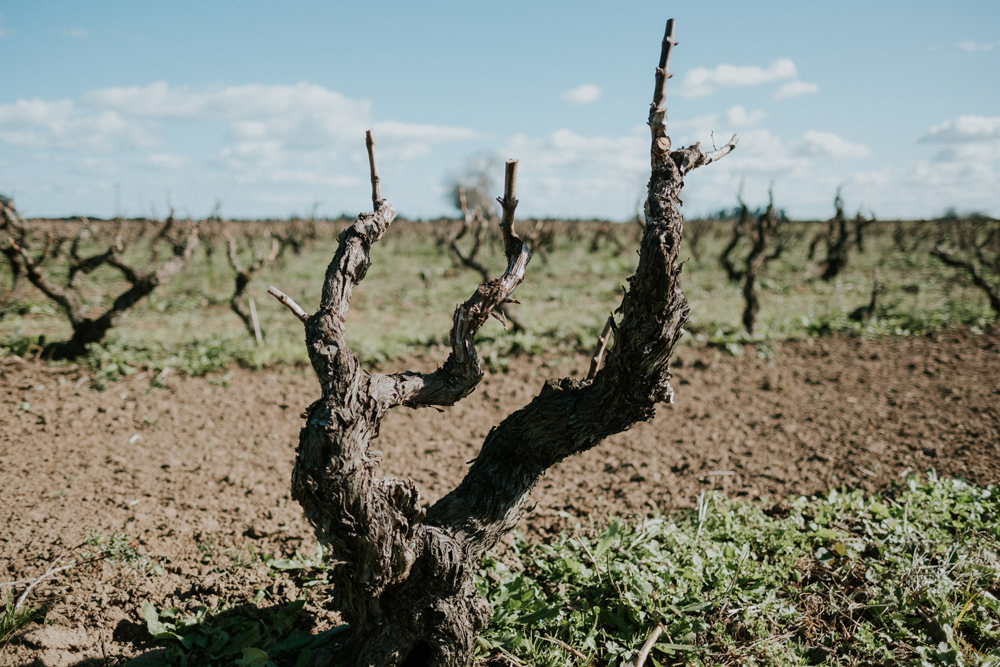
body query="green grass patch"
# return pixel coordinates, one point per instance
(908, 577)
(14, 618)
(410, 292)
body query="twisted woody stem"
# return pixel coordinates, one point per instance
(403, 575)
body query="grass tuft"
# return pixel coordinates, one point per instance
(907, 577)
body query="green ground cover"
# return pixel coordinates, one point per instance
(906, 577)
(406, 301)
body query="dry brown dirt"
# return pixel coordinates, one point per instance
(195, 470)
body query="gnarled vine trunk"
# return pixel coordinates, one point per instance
(403, 578)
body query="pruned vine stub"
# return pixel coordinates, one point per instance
(402, 573)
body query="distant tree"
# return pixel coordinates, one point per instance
(972, 245)
(865, 313)
(474, 186)
(68, 296)
(244, 274)
(741, 230)
(763, 233)
(838, 241)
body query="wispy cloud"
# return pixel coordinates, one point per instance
(964, 129)
(977, 47)
(588, 93)
(827, 144)
(794, 89)
(701, 81)
(737, 116)
(264, 123)
(40, 124)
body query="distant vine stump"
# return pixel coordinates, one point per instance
(402, 576)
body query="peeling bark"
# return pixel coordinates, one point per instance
(403, 578)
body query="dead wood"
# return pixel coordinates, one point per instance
(865, 313)
(87, 330)
(403, 575)
(838, 242)
(475, 222)
(975, 252)
(605, 232)
(762, 234)
(741, 230)
(244, 274)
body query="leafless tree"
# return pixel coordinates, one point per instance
(861, 223)
(296, 234)
(865, 313)
(838, 241)
(762, 233)
(9, 251)
(741, 230)
(695, 233)
(476, 223)
(87, 330)
(973, 247)
(244, 274)
(541, 239)
(403, 575)
(606, 232)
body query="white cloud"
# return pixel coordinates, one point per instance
(429, 134)
(585, 94)
(976, 47)
(702, 81)
(826, 144)
(247, 141)
(737, 116)
(79, 33)
(965, 129)
(4, 31)
(565, 147)
(969, 152)
(265, 124)
(794, 89)
(167, 161)
(40, 124)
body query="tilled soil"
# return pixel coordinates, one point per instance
(196, 469)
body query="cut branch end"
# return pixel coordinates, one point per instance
(373, 164)
(288, 303)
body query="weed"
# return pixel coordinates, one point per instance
(909, 576)
(14, 618)
(118, 549)
(245, 636)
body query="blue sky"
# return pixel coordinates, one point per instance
(113, 107)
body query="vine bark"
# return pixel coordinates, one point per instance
(402, 575)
